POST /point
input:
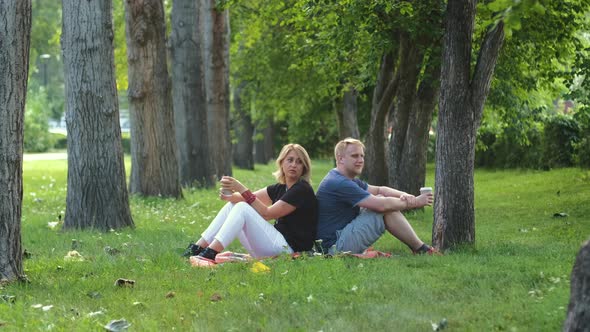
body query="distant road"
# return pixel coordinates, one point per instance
(45, 156)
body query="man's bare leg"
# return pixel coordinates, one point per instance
(397, 224)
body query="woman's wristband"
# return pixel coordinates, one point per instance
(249, 197)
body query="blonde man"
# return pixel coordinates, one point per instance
(354, 214)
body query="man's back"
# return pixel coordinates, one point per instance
(338, 197)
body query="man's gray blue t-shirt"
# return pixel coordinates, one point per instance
(338, 197)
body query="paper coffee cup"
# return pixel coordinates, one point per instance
(226, 192)
(425, 190)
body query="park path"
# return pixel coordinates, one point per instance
(45, 156)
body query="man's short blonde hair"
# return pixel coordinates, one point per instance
(341, 146)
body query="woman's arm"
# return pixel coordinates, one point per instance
(262, 204)
(275, 211)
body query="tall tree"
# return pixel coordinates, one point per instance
(214, 28)
(15, 29)
(97, 194)
(243, 153)
(190, 108)
(264, 134)
(376, 169)
(154, 164)
(578, 311)
(346, 109)
(463, 93)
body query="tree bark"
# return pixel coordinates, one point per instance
(189, 101)
(346, 111)
(376, 170)
(15, 37)
(215, 32)
(578, 311)
(154, 164)
(412, 171)
(97, 194)
(411, 58)
(460, 108)
(244, 129)
(263, 142)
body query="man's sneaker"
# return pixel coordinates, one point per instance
(428, 250)
(192, 250)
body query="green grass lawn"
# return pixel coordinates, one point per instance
(516, 278)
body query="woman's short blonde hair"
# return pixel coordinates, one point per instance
(341, 146)
(301, 153)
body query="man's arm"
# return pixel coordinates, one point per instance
(382, 204)
(385, 191)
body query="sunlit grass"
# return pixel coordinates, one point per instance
(517, 277)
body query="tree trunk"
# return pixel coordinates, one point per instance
(376, 170)
(190, 106)
(215, 32)
(97, 193)
(578, 311)
(15, 35)
(154, 164)
(411, 58)
(460, 108)
(412, 172)
(346, 111)
(244, 149)
(263, 143)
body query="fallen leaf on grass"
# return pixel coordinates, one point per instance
(170, 295)
(95, 313)
(258, 267)
(125, 282)
(117, 325)
(440, 326)
(215, 297)
(73, 256)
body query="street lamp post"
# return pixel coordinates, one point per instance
(44, 59)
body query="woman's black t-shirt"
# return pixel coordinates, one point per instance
(300, 226)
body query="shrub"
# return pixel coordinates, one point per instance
(561, 134)
(36, 127)
(484, 151)
(61, 141)
(583, 152)
(509, 148)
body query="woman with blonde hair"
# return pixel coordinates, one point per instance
(291, 201)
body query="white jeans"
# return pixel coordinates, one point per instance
(240, 220)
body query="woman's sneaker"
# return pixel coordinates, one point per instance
(192, 250)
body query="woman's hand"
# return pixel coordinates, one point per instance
(232, 184)
(233, 198)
